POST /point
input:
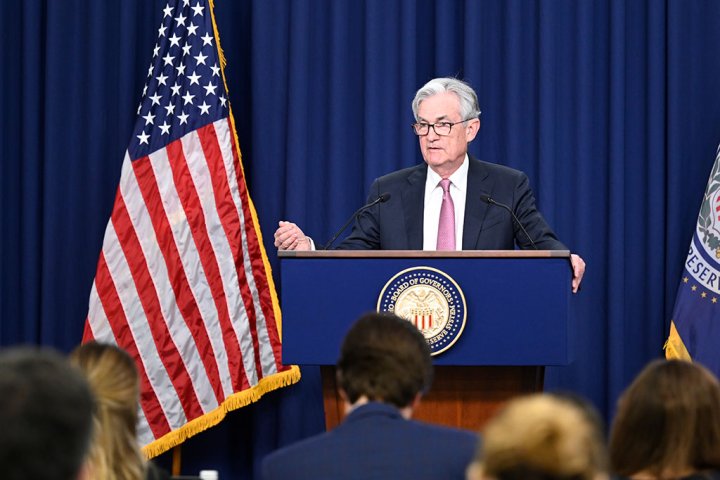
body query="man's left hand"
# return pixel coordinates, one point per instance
(578, 266)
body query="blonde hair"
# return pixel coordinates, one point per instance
(112, 375)
(541, 437)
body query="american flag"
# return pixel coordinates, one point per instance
(183, 283)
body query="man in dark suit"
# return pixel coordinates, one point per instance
(451, 193)
(383, 370)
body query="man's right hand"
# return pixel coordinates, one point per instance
(288, 236)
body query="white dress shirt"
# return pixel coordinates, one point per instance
(433, 201)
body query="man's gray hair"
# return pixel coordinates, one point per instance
(469, 107)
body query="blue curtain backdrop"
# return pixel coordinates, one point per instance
(612, 107)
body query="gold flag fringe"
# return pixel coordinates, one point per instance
(675, 347)
(212, 418)
(217, 37)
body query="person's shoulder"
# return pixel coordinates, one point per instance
(496, 169)
(404, 173)
(444, 434)
(297, 460)
(452, 447)
(310, 443)
(300, 449)
(444, 430)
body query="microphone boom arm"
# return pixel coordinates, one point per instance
(490, 201)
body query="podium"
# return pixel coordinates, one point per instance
(517, 320)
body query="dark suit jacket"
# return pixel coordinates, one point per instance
(397, 224)
(376, 442)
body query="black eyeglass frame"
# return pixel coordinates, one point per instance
(432, 125)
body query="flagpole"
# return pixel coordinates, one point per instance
(176, 460)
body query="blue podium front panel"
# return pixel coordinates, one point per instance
(517, 308)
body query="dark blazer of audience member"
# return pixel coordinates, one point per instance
(46, 410)
(542, 437)
(111, 372)
(384, 369)
(668, 424)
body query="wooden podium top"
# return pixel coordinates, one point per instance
(424, 254)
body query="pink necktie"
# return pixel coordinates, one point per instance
(446, 228)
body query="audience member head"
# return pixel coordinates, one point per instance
(113, 378)
(541, 437)
(668, 422)
(46, 410)
(386, 359)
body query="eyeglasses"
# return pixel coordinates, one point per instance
(440, 128)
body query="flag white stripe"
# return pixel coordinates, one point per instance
(144, 434)
(202, 180)
(267, 357)
(174, 321)
(100, 327)
(97, 319)
(190, 259)
(158, 376)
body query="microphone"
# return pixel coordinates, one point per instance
(490, 201)
(381, 199)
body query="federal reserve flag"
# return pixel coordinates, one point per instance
(182, 282)
(695, 327)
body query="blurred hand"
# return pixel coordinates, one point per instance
(578, 266)
(288, 236)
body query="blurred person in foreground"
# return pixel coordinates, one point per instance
(383, 370)
(113, 378)
(667, 424)
(46, 411)
(542, 437)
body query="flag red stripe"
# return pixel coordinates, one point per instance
(121, 330)
(147, 294)
(181, 287)
(195, 218)
(87, 332)
(228, 214)
(256, 257)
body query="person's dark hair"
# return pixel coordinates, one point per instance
(386, 359)
(46, 410)
(668, 421)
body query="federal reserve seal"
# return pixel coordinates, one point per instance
(429, 299)
(708, 224)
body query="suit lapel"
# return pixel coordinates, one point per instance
(413, 201)
(475, 209)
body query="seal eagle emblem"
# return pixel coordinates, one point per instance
(429, 299)
(708, 224)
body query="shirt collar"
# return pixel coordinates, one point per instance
(458, 178)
